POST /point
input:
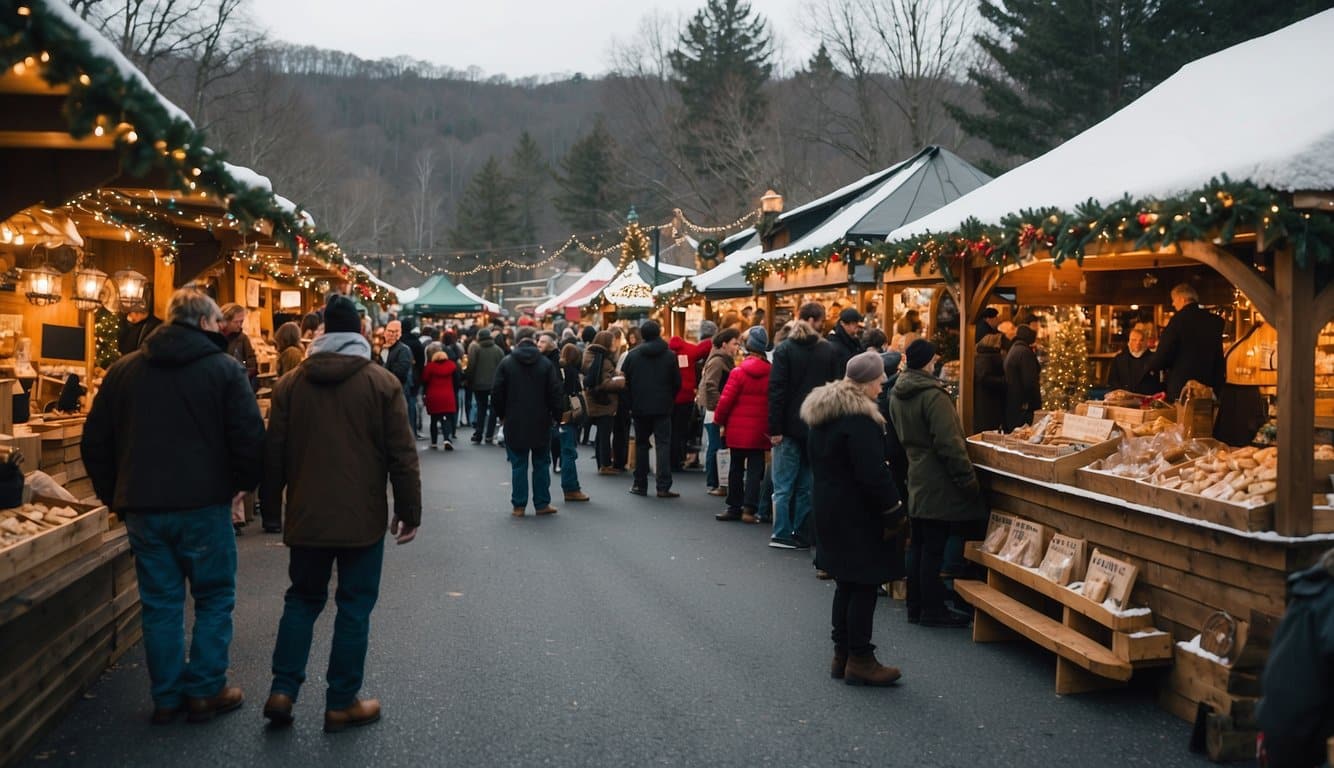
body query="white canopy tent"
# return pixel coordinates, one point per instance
(1184, 132)
(600, 273)
(490, 306)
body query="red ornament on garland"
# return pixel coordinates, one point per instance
(834, 257)
(1145, 219)
(913, 258)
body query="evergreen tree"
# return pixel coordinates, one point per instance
(821, 65)
(486, 216)
(586, 196)
(724, 52)
(530, 174)
(1059, 66)
(1065, 378)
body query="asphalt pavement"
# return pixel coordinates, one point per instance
(626, 631)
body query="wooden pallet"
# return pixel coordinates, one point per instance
(1095, 648)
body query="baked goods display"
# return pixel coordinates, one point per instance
(22, 523)
(1142, 457)
(1247, 476)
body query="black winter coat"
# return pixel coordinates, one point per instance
(1133, 373)
(895, 453)
(1191, 347)
(527, 397)
(801, 363)
(989, 390)
(174, 427)
(1297, 711)
(1023, 385)
(845, 348)
(853, 485)
(131, 335)
(652, 379)
(398, 361)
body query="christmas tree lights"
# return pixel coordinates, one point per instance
(1065, 377)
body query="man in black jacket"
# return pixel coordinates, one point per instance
(846, 338)
(398, 360)
(412, 340)
(1130, 368)
(801, 363)
(527, 399)
(1191, 346)
(1023, 380)
(173, 437)
(134, 328)
(652, 379)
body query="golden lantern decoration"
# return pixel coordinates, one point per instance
(130, 289)
(42, 285)
(88, 284)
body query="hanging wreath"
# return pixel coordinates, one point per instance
(708, 253)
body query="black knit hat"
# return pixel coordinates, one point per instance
(650, 330)
(919, 353)
(340, 316)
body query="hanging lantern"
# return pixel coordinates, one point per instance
(130, 288)
(42, 285)
(88, 284)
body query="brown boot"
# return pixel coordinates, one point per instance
(607, 471)
(839, 663)
(202, 710)
(547, 510)
(576, 496)
(518, 511)
(748, 516)
(364, 712)
(866, 670)
(278, 709)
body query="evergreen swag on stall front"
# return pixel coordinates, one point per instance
(1065, 376)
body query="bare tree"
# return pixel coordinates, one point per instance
(903, 53)
(424, 205)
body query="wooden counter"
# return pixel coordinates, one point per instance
(59, 633)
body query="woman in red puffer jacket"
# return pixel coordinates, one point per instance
(743, 415)
(438, 380)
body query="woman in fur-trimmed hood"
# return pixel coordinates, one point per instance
(855, 500)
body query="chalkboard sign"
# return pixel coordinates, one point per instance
(63, 342)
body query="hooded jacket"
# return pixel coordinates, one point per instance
(338, 433)
(845, 348)
(853, 486)
(527, 397)
(743, 407)
(652, 379)
(687, 359)
(483, 359)
(438, 382)
(802, 362)
(174, 427)
(1023, 380)
(941, 481)
(601, 398)
(716, 370)
(989, 389)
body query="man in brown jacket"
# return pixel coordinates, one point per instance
(338, 429)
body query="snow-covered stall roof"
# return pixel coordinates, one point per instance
(645, 269)
(602, 271)
(629, 290)
(103, 48)
(1192, 127)
(727, 275)
(489, 306)
(398, 293)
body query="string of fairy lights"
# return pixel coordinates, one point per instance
(521, 256)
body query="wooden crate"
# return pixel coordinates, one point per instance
(1130, 416)
(26, 554)
(1092, 478)
(1060, 469)
(1243, 518)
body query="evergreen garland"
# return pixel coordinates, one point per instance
(1065, 376)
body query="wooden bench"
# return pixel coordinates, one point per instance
(1095, 647)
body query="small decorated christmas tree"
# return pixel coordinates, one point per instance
(106, 329)
(635, 244)
(1065, 377)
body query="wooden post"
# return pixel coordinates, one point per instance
(1294, 295)
(967, 348)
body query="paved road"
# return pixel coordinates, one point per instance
(622, 632)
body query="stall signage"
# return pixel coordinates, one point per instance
(1065, 560)
(1025, 545)
(1086, 429)
(998, 530)
(1109, 579)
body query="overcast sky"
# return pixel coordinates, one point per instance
(511, 37)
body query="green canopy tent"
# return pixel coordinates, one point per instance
(438, 296)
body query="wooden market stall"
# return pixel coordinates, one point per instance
(111, 199)
(1115, 217)
(819, 264)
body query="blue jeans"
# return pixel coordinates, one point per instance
(171, 548)
(792, 488)
(541, 459)
(411, 394)
(309, 569)
(569, 441)
(711, 455)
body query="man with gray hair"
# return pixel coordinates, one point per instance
(1191, 346)
(174, 435)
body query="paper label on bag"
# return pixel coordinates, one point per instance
(682, 361)
(1096, 412)
(1119, 574)
(1085, 428)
